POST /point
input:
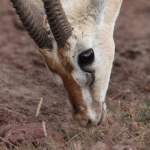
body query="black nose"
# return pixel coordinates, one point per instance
(90, 124)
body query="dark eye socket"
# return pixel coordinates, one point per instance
(86, 57)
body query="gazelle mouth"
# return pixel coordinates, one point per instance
(91, 124)
(102, 119)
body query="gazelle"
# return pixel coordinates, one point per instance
(76, 43)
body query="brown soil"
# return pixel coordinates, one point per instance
(24, 78)
(131, 72)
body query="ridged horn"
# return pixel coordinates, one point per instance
(58, 21)
(32, 24)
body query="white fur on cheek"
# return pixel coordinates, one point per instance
(104, 106)
(102, 68)
(94, 117)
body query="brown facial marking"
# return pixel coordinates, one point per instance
(63, 67)
(64, 60)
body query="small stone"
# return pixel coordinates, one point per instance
(54, 103)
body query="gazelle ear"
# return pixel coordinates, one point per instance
(97, 9)
(111, 12)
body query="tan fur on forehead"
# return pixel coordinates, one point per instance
(80, 12)
(60, 66)
(64, 59)
(81, 8)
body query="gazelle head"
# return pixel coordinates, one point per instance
(78, 48)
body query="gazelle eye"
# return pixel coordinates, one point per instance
(86, 57)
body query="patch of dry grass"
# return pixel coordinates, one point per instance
(127, 123)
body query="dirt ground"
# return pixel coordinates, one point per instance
(24, 79)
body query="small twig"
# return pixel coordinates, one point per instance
(44, 128)
(39, 107)
(75, 136)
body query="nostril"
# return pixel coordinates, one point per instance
(89, 123)
(99, 123)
